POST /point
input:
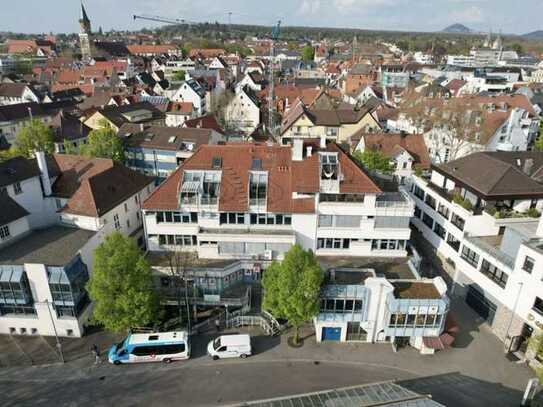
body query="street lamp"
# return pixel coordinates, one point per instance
(59, 345)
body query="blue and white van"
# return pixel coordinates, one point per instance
(151, 347)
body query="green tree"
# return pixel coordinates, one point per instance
(104, 143)
(291, 288)
(7, 154)
(34, 135)
(179, 76)
(121, 285)
(538, 145)
(373, 160)
(308, 53)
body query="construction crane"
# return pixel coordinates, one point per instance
(271, 96)
(164, 19)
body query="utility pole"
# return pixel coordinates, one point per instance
(59, 345)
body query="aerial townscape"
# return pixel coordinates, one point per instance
(280, 213)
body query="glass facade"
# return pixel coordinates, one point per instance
(15, 294)
(67, 285)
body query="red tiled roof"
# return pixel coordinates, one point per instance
(389, 144)
(285, 177)
(94, 186)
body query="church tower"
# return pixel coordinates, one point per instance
(85, 35)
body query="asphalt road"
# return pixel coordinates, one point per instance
(211, 384)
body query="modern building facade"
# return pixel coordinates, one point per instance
(254, 201)
(480, 214)
(360, 306)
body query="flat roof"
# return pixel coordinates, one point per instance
(391, 268)
(161, 259)
(157, 337)
(415, 290)
(54, 246)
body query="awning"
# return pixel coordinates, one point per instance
(190, 187)
(433, 342)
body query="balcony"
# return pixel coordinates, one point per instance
(490, 245)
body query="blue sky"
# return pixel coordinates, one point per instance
(511, 16)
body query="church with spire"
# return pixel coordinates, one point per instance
(85, 35)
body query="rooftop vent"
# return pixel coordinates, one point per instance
(172, 139)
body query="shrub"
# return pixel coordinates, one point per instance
(533, 213)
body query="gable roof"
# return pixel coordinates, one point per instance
(11, 210)
(496, 175)
(208, 121)
(14, 90)
(95, 186)
(389, 144)
(285, 177)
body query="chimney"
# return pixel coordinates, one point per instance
(297, 149)
(142, 127)
(309, 151)
(42, 165)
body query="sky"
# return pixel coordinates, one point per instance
(509, 16)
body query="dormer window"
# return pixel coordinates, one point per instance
(329, 166)
(216, 163)
(258, 188)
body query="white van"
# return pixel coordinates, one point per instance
(230, 346)
(151, 347)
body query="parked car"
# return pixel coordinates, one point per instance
(230, 346)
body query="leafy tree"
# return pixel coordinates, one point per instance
(373, 160)
(34, 135)
(69, 148)
(179, 76)
(291, 288)
(104, 143)
(121, 285)
(538, 145)
(308, 53)
(517, 48)
(7, 154)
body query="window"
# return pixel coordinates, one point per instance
(385, 244)
(177, 240)
(453, 242)
(128, 223)
(470, 256)
(325, 220)
(494, 273)
(439, 230)
(232, 218)
(430, 201)
(126, 207)
(258, 186)
(116, 222)
(210, 189)
(4, 232)
(17, 188)
(58, 203)
(458, 221)
(538, 305)
(419, 192)
(418, 212)
(528, 265)
(443, 211)
(333, 243)
(355, 198)
(136, 199)
(427, 220)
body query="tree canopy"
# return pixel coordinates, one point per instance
(291, 287)
(308, 53)
(373, 160)
(34, 135)
(179, 76)
(104, 143)
(121, 285)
